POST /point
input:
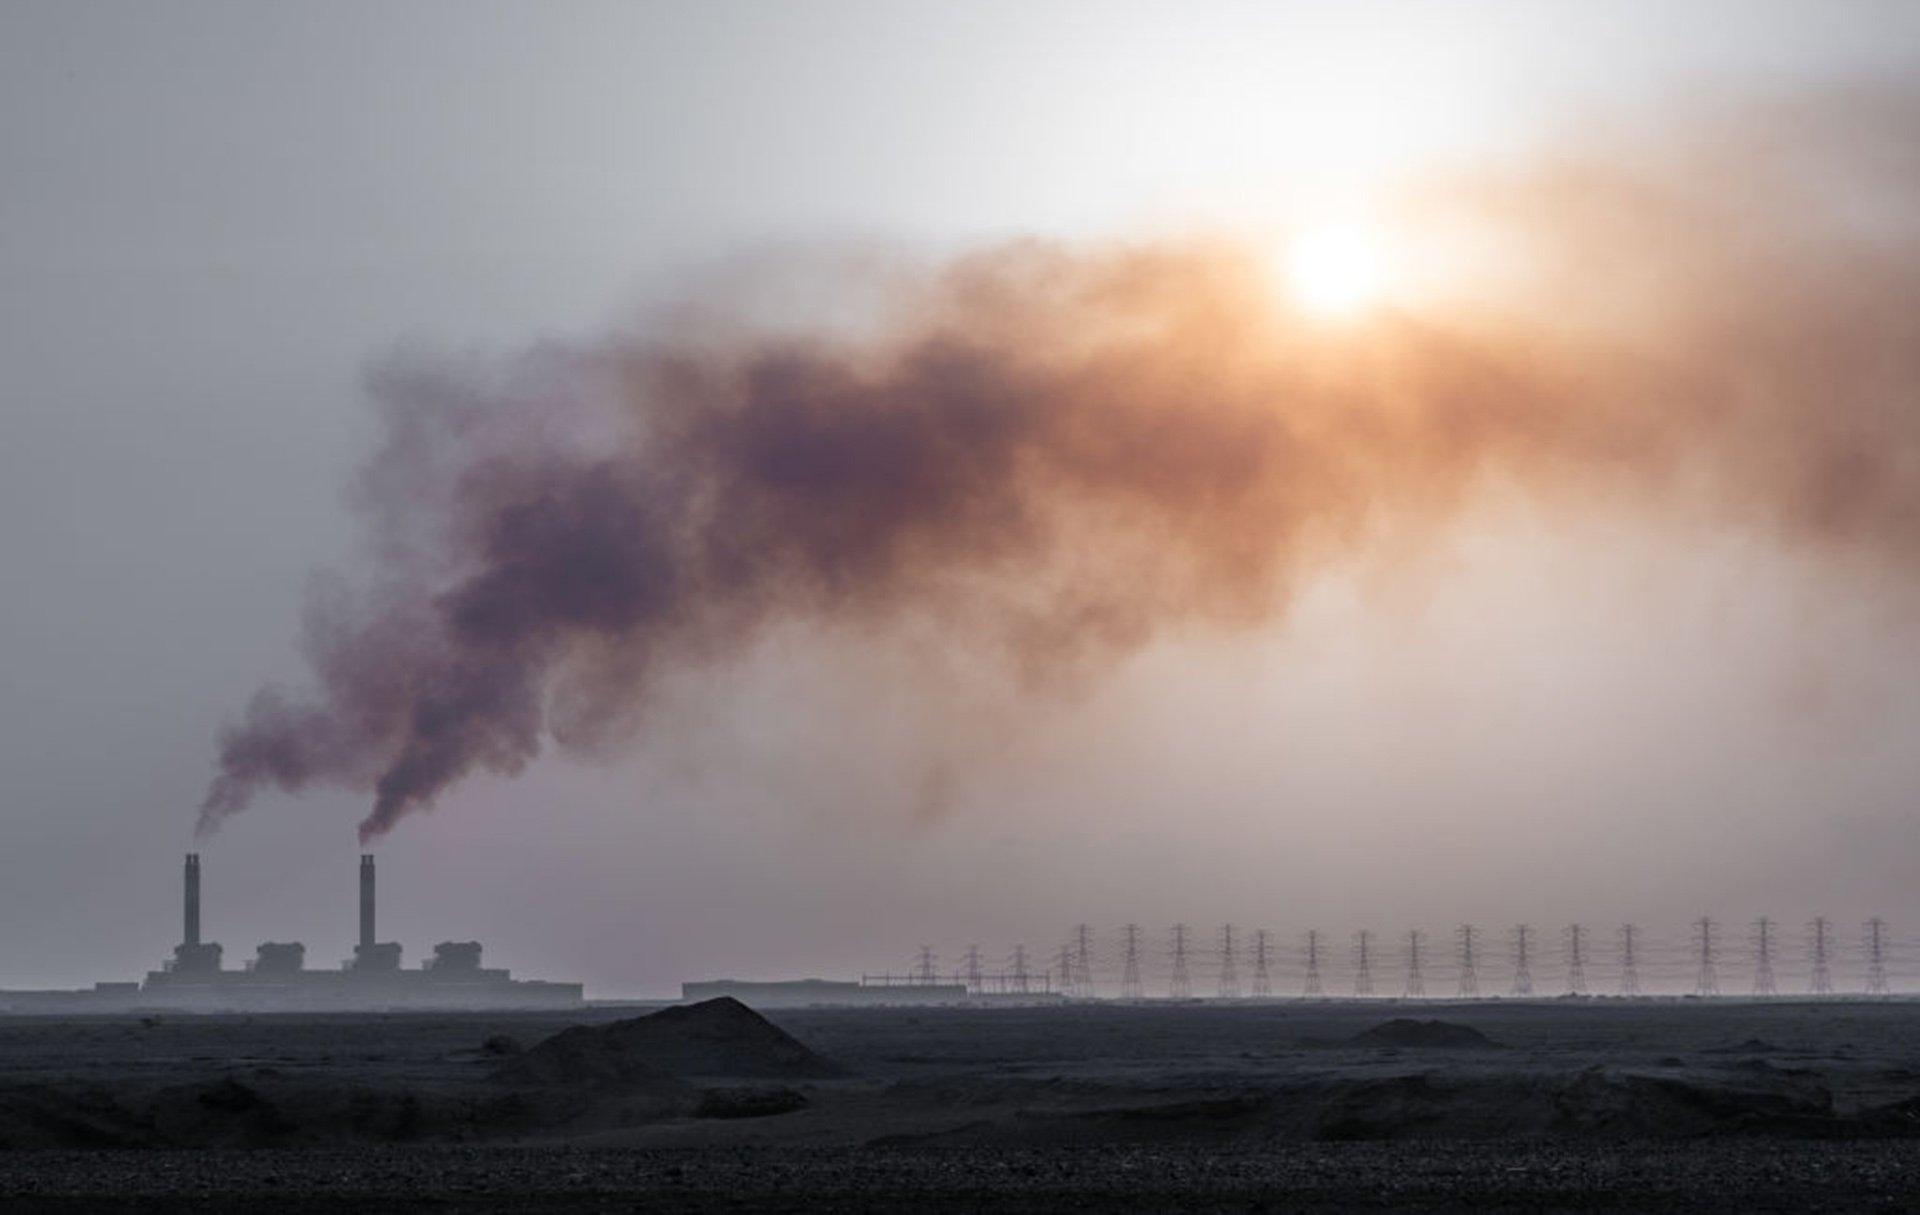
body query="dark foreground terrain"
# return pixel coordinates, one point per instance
(1557, 1105)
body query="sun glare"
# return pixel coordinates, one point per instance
(1333, 271)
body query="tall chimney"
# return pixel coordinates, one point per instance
(366, 900)
(190, 931)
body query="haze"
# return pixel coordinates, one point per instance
(219, 219)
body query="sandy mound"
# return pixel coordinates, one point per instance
(720, 1037)
(1404, 1031)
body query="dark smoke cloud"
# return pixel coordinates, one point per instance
(1058, 452)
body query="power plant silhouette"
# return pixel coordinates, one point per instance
(277, 978)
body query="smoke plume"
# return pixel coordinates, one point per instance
(1057, 452)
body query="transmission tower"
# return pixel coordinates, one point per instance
(1629, 965)
(1817, 942)
(1876, 957)
(1469, 980)
(1362, 965)
(1262, 981)
(1763, 984)
(1229, 968)
(1311, 987)
(1181, 985)
(1130, 987)
(923, 970)
(1063, 966)
(1706, 982)
(1522, 966)
(1020, 976)
(1083, 959)
(973, 969)
(1576, 959)
(1416, 981)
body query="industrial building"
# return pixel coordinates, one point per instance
(801, 993)
(805, 993)
(277, 978)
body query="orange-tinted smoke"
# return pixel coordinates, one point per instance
(1060, 451)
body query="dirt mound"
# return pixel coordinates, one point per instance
(748, 1102)
(1404, 1031)
(1599, 1103)
(721, 1037)
(1604, 1102)
(246, 1113)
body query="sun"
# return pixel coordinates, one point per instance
(1334, 271)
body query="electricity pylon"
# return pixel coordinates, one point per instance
(1522, 966)
(1416, 980)
(1262, 980)
(1469, 980)
(1229, 968)
(1763, 984)
(1706, 981)
(1629, 963)
(1181, 985)
(1876, 957)
(1821, 983)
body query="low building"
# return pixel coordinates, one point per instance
(802, 993)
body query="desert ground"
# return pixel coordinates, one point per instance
(1588, 1104)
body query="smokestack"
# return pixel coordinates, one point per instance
(190, 931)
(366, 900)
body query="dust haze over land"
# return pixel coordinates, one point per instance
(1057, 453)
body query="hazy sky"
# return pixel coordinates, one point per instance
(214, 218)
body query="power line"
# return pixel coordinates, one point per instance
(1244, 962)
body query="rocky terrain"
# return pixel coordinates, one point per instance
(1571, 1104)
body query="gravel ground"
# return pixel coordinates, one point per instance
(1718, 1176)
(1163, 1108)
